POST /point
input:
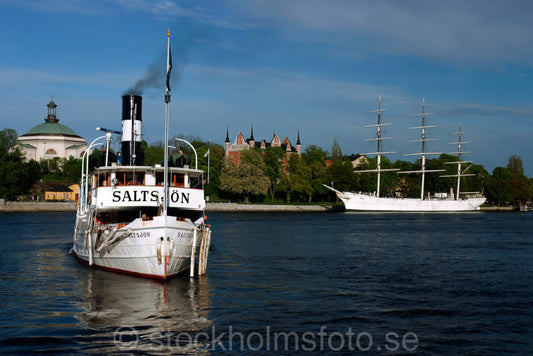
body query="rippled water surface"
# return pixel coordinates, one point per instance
(281, 284)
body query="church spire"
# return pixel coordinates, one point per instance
(299, 144)
(252, 134)
(227, 135)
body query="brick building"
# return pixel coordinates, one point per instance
(232, 150)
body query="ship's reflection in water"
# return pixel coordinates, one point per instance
(124, 313)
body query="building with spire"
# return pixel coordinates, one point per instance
(232, 150)
(51, 139)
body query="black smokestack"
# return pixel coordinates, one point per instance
(132, 154)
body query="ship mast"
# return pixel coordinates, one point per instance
(423, 139)
(378, 152)
(167, 101)
(459, 153)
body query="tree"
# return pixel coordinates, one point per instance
(314, 153)
(336, 152)
(273, 157)
(515, 166)
(499, 190)
(72, 169)
(8, 140)
(153, 154)
(319, 177)
(247, 179)
(296, 183)
(15, 177)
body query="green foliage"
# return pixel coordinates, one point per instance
(8, 139)
(515, 165)
(296, 183)
(253, 157)
(498, 190)
(247, 180)
(153, 154)
(16, 175)
(342, 177)
(273, 158)
(508, 185)
(318, 177)
(336, 152)
(314, 153)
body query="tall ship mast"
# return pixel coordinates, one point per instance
(460, 173)
(423, 153)
(439, 202)
(379, 142)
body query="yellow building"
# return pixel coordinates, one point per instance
(70, 193)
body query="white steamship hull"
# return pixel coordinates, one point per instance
(365, 202)
(139, 248)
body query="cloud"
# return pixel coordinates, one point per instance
(473, 32)
(27, 77)
(63, 6)
(459, 31)
(474, 110)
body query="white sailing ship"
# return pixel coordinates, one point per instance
(439, 202)
(139, 219)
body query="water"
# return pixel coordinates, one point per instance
(281, 284)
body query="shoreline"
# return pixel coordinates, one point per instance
(15, 206)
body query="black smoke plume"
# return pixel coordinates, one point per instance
(153, 78)
(181, 45)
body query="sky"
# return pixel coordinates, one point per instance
(313, 66)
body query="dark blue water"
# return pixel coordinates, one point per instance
(281, 284)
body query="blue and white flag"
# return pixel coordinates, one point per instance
(169, 63)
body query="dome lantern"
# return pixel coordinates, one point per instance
(52, 117)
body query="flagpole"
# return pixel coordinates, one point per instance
(208, 154)
(167, 101)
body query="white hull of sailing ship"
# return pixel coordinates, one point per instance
(367, 202)
(440, 202)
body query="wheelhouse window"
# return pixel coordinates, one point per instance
(174, 179)
(159, 178)
(178, 180)
(139, 178)
(102, 180)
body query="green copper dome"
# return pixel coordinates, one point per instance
(49, 128)
(51, 125)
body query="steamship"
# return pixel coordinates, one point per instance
(133, 218)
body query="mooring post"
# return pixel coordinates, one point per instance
(201, 254)
(193, 252)
(207, 244)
